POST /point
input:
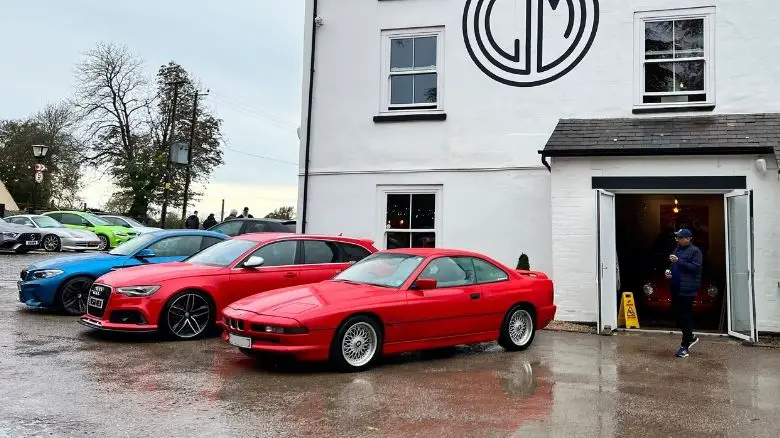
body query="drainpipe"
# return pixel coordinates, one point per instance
(308, 117)
(544, 161)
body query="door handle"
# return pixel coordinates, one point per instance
(475, 296)
(290, 275)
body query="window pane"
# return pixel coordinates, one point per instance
(316, 251)
(423, 240)
(688, 38)
(659, 77)
(209, 241)
(179, 246)
(352, 253)
(487, 272)
(425, 52)
(229, 228)
(425, 89)
(658, 39)
(401, 89)
(689, 76)
(448, 273)
(423, 211)
(398, 240)
(401, 54)
(397, 212)
(278, 254)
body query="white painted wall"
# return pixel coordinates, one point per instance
(575, 245)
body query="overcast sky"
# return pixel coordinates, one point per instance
(249, 53)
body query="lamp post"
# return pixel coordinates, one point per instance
(39, 152)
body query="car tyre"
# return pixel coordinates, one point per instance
(357, 344)
(188, 315)
(518, 329)
(105, 244)
(73, 294)
(51, 243)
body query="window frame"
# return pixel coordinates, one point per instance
(387, 35)
(384, 191)
(706, 13)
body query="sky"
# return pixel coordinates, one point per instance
(248, 53)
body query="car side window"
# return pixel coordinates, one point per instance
(352, 253)
(56, 216)
(71, 219)
(21, 221)
(278, 253)
(488, 272)
(450, 272)
(256, 227)
(229, 228)
(319, 251)
(209, 241)
(177, 246)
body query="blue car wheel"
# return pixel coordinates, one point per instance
(72, 297)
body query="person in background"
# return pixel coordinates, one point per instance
(192, 222)
(685, 274)
(246, 214)
(209, 222)
(233, 214)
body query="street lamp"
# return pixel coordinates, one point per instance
(39, 152)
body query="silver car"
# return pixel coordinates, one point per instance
(18, 238)
(55, 237)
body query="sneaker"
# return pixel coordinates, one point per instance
(694, 341)
(682, 352)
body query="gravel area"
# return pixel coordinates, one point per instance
(562, 326)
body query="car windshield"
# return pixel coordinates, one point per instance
(132, 246)
(382, 269)
(2, 221)
(46, 222)
(223, 253)
(133, 223)
(96, 220)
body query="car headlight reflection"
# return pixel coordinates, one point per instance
(137, 291)
(648, 289)
(712, 291)
(46, 273)
(10, 234)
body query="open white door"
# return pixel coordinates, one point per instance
(740, 293)
(607, 268)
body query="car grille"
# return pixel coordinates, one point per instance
(29, 236)
(102, 292)
(235, 324)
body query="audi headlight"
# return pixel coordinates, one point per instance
(137, 291)
(648, 289)
(10, 234)
(712, 291)
(46, 273)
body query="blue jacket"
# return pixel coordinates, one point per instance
(686, 273)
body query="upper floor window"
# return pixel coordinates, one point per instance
(675, 52)
(411, 69)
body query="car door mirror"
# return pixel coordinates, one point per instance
(145, 254)
(424, 284)
(254, 262)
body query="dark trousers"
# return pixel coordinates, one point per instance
(683, 309)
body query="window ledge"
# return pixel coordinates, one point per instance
(407, 117)
(672, 109)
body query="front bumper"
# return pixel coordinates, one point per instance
(104, 325)
(38, 293)
(78, 244)
(665, 304)
(118, 240)
(121, 313)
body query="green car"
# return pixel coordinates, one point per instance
(110, 235)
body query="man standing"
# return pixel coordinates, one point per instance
(192, 222)
(685, 274)
(209, 222)
(232, 215)
(246, 214)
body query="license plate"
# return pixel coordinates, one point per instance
(95, 302)
(31, 243)
(240, 341)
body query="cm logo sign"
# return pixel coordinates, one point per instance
(529, 43)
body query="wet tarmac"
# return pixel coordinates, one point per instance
(59, 379)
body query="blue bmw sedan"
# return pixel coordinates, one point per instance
(63, 283)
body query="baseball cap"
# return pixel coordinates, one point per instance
(684, 232)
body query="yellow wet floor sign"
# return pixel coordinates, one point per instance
(627, 314)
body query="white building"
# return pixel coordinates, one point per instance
(512, 126)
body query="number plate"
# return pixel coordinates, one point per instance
(240, 341)
(31, 243)
(96, 302)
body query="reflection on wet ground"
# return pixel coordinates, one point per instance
(59, 379)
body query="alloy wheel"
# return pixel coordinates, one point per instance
(359, 344)
(51, 243)
(520, 327)
(104, 243)
(74, 295)
(189, 315)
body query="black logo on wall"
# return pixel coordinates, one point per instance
(529, 43)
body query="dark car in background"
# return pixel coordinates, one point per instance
(18, 238)
(237, 227)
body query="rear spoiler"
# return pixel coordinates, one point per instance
(533, 274)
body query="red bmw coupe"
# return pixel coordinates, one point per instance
(392, 302)
(185, 299)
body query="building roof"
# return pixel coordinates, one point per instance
(726, 134)
(7, 199)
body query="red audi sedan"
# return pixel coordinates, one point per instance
(392, 302)
(185, 299)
